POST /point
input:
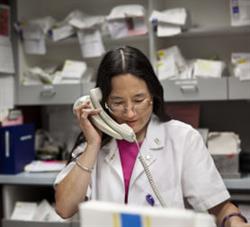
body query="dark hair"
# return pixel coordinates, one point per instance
(130, 60)
(135, 63)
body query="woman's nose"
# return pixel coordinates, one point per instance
(130, 110)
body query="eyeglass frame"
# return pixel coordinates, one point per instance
(125, 108)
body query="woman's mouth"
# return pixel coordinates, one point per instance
(131, 123)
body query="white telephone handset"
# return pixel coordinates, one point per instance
(103, 121)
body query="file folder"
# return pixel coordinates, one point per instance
(17, 148)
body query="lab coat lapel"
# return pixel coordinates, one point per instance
(138, 168)
(151, 147)
(112, 158)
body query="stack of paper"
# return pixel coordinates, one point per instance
(32, 211)
(44, 166)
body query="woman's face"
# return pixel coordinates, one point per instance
(130, 102)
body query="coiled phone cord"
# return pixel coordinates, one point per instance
(150, 178)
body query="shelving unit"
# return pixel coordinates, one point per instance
(210, 35)
(58, 52)
(210, 28)
(24, 186)
(27, 187)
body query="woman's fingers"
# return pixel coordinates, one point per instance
(85, 113)
(85, 110)
(81, 108)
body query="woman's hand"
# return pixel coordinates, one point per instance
(224, 209)
(92, 134)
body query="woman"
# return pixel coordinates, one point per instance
(174, 152)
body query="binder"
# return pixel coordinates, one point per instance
(17, 148)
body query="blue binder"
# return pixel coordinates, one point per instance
(17, 147)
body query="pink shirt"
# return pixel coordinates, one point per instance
(128, 154)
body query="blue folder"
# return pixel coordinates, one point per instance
(17, 147)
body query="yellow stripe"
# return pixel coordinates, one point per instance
(116, 220)
(147, 221)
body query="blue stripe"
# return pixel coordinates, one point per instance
(129, 220)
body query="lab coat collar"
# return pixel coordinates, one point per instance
(112, 157)
(155, 134)
(110, 150)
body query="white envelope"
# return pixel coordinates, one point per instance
(123, 11)
(167, 68)
(34, 40)
(125, 27)
(62, 32)
(167, 30)
(91, 43)
(73, 69)
(208, 68)
(87, 22)
(176, 16)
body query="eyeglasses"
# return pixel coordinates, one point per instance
(121, 108)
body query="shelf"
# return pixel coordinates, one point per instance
(211, 31)
(51, 94)
(238, 89)
(136, 38)
(201, 89)
(242, 183)
(48, 94)
(11, 223)
(107, 39)
(26, 178)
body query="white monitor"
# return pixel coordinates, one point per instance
(105, 214)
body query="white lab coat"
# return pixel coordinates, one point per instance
(179, 163)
